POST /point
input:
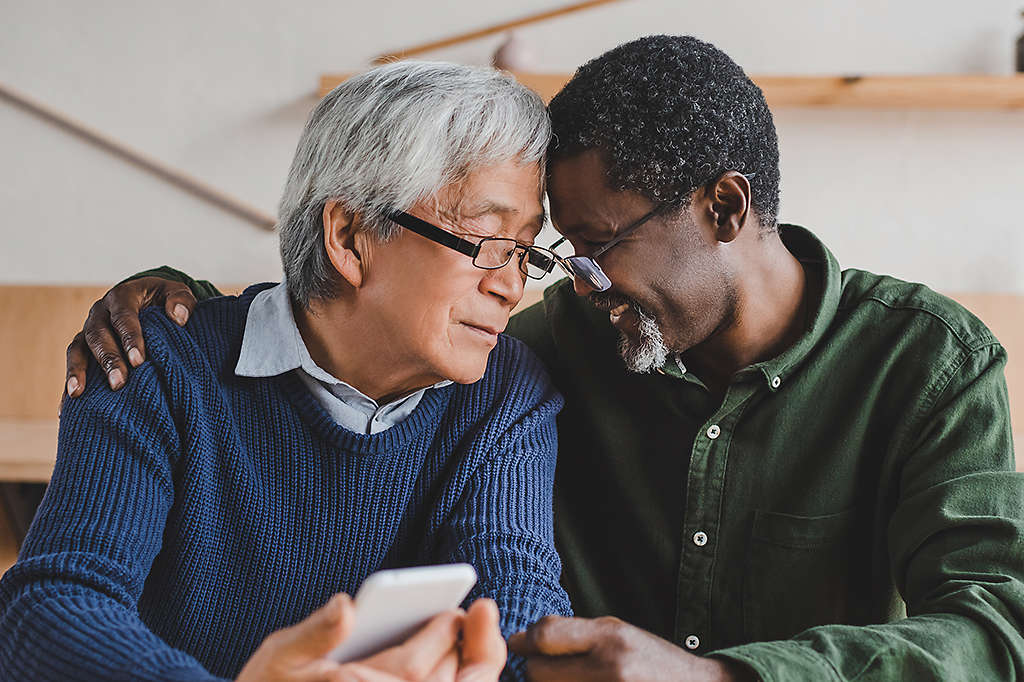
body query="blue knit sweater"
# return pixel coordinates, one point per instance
(194, 512)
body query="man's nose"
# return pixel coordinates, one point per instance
(506, 282)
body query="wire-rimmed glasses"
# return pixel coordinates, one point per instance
(586, 267)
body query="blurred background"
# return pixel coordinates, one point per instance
(926, 187)
(221, 91)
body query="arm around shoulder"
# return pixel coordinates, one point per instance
(201, 288)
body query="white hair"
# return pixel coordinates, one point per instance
(390, 137)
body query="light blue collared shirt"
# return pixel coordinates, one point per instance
(272, 345)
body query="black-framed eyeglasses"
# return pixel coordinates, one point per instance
(488, 253)
(586, 267)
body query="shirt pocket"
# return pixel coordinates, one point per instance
(797, 573)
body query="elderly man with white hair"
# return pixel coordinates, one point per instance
(365, 413)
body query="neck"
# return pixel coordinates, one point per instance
(769, 314)
(350, 346)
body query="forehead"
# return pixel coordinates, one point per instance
(585, 171)
(504, 187)
(581, 198)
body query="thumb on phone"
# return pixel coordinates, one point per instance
(483, 648)
(322, 630)
(297, 652)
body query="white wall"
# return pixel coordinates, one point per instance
(221, 90)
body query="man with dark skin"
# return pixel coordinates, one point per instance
(769, 468)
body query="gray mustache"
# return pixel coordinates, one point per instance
(605, 302)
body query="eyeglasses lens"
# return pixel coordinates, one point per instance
(536, 264)
(494, 253)
(590, 272)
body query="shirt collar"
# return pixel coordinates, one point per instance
(807, 248)
(272, 344)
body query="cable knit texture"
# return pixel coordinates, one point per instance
(194, 512)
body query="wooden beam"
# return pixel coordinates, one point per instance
(490, 30)
(158, 168)
(856, 92)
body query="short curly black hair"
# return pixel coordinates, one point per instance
(670, 114)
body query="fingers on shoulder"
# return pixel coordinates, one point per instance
(179, 302)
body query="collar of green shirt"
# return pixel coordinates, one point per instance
(808, 249)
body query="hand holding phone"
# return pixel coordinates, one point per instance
(392, 605)
(433, 652)
(436, 652)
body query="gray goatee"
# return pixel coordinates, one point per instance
(648, 352)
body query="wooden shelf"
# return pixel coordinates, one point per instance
(858, 92)
(895, 92)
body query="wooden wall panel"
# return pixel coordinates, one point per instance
(1004, 315)
(36, 325)
(37, 322)
(8, 545)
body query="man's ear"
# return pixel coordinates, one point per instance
(343, 248)
(730, 203)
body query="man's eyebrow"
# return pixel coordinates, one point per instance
(485, 207)
(489, 207)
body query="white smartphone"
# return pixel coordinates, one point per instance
(392, 605)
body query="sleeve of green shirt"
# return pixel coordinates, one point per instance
(956, 547)
(201, 288)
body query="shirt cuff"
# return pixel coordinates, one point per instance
(781, 661)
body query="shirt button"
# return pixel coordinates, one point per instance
(692, 642)
(700, 538)
(714, 432)
(776, 382)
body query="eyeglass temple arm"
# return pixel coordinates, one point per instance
(425, 229)
(604, 248)
(617, 238)
(564, 262)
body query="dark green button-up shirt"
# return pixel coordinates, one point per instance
(865, 474)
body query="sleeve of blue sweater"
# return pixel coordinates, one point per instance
(68, 608)
(503, 522)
